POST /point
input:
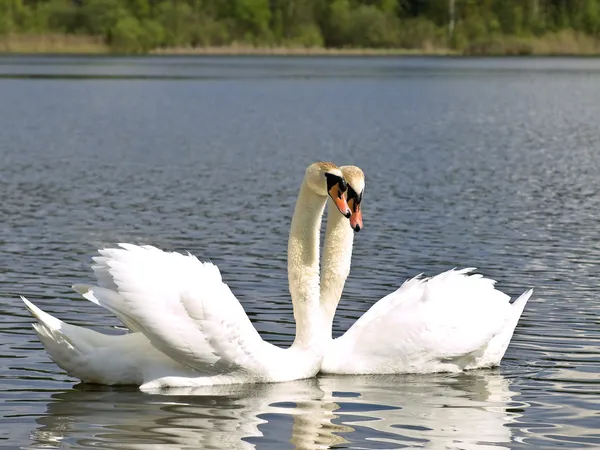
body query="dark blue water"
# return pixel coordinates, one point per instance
(491, 163)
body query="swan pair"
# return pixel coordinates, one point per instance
(188, 329)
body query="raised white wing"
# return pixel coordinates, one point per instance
(444, 317)
(180, 304)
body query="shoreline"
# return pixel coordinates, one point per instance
(78, 51)
(333, 53)
(88, 45)
(299, 51)
(557, 45)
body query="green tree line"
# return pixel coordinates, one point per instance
(469, 26)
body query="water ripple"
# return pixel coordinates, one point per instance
(483, 163)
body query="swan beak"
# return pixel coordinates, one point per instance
(338, 197)
(356, 221)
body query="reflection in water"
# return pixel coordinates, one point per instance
(466, 412)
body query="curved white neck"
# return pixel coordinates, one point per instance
(303, 267)
(337, 256)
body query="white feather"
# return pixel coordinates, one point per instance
(182, 306)
(447, 323)
(100, 358)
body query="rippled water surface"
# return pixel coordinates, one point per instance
(491, 163)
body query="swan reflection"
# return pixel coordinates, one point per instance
(467, 411)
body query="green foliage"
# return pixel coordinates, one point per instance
(307, 36)
(337, 32)
(591, 17)
(207, 31)
(128, 35)
(100, 17)
(60, 16)
(140, 9)
(176, 20)
(6, 17)
(251, 18)
(471, 26)
(372, 27)
(12, 14)
(295, 22)
(418, 33)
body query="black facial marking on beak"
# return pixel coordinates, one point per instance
(332, 180)
(336, 187)
(356, 198)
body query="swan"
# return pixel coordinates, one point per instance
(188, 329)
(451, 322)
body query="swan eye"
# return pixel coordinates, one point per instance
(352, 195)
(332, 180)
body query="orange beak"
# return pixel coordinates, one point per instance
(339, 199)
(356, 221)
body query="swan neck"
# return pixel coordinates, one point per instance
(303, 267)
(337, 256)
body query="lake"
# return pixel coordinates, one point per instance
(486, 163)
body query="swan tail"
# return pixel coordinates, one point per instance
(497, 346)
(83, 353)
(66, 344)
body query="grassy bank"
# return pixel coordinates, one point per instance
(305, 51)
(52, 43)
(563, 43)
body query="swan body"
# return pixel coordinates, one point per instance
(451, 322)
(448, 323)
(187, 327)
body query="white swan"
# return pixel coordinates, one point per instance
(448, 323)
(188, 328)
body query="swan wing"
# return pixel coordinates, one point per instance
(179, 303)
(444, 317)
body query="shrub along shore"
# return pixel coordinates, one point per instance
(302, 27)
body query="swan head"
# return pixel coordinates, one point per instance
(355, 178)
(325, 178)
